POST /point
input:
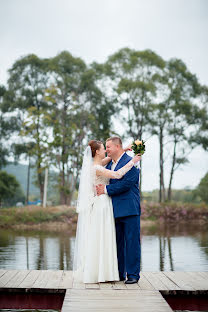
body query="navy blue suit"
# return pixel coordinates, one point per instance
(126, 207)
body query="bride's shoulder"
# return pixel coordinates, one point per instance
(98, 167)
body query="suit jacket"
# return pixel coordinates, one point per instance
(125, 191)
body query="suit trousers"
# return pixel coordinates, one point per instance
(128, 246)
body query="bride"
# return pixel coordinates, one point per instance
(95, 254)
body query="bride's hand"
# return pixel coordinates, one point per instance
(137, 158)
(128, 148)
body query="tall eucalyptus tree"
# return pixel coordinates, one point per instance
(26, 84)
(133, 73)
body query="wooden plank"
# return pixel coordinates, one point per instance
(180, 279)
(132, 286)
(203, 275)
(54, 280)
(78, 285)
(144, 283)
(92, 286)
(42, 279)
(7, 276)
(119, 285)
(2, 272)
(156, 283)
(119, 300)
(107, 285)
(197, 281)
(30, 279)
(66, 280)
(166, 281)
(17, 279)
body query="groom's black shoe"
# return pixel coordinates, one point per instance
(131, 281)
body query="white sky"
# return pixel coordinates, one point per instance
(94, 29)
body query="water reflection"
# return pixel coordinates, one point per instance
(176, 248)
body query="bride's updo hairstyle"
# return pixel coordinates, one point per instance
(94, 145)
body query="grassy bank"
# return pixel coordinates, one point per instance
(65, 218)
(35, 217)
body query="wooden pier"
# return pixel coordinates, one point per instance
(146, 296)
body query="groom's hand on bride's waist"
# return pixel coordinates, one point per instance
(100, 188)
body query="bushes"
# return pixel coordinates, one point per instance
(172, 212)
(166, 212)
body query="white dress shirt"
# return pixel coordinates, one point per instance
(113, 166)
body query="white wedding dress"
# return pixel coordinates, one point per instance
(95, 247)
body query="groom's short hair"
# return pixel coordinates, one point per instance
(115, 140)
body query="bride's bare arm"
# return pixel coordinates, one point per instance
(101, 171)
(106, 160)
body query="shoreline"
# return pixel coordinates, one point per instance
(64, 218)
(70, 228)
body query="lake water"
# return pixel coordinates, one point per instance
(167, 248)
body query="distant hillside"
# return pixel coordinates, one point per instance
(20, 172)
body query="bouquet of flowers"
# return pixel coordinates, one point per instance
(138, 147)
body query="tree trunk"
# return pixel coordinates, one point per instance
(39, 158)
(39, 172)
(172, 171)
(62, 191)
(162, 186)
(28, 181)
(63, 195)
(70, 183)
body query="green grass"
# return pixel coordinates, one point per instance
(165, 212)
(35, 215)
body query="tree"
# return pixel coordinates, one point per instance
(27, 82)
(103, 104)
(68, 117)
(8, 126)
(25, 149)
(134, 73)
(184, 88)
(8, 186)
(200, 134)
(3, 131)
(18, 196)
(159, 118)
(202, 188)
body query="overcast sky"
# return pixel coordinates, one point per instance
(94, 29)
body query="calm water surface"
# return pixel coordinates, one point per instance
(168, 248)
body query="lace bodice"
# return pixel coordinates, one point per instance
(100, 179)
(103, 175)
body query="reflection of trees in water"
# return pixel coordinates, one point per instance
(63, 256)
(41, 259)
(36, 254)
(6, 240)
(165, 231)
(162, 248)
(170, 253)
(202, 239)
(64, 243)
(27, 252)
(175, 229)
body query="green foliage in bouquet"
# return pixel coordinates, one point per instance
(138, 147)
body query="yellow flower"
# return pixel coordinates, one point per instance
(137, 142)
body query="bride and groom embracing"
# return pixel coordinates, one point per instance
(107, 245)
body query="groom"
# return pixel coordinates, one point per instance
(126, 207)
